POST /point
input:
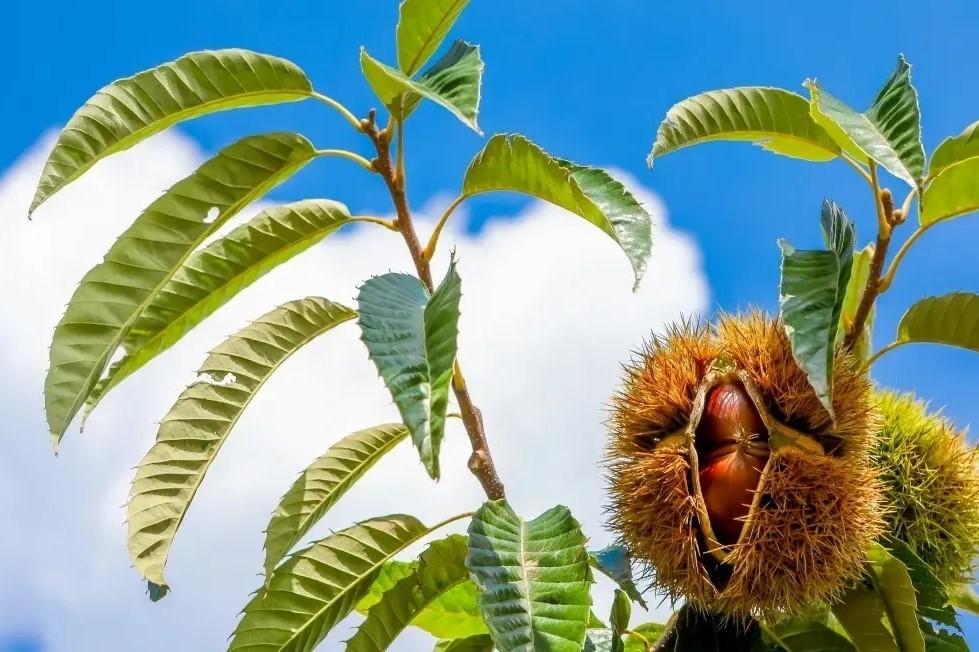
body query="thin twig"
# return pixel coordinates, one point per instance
(481, 461)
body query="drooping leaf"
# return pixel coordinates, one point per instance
(195, 428)
(411, 338)
(614, 561)
(889, 132)
(440, 569)
(319, 586)
(773, 118)
(513, 163)
(422, 26)
(811, 298)
(893, 584)
(213, 275)
(132, 109)
(533, 578)
(638, 637)
(453, 82)
(964, 597)
(851, 300)
(454, 614)
(951, 319)
(862, 613)
(955, 150)
(481, 643)
(322, 484)
(146, 256)
(806, 636)
(951, 194)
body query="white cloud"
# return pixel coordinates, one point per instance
(547, 316)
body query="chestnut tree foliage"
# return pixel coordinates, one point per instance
(513, 583)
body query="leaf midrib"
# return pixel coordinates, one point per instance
(92, 378)
(415, 65)
(526, 580)
(753, 133)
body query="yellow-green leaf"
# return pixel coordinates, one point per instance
(132, 109)
(773, 118)
(422, 26)
(951, 319)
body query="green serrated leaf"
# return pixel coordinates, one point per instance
(533, 578)
(955, 150)
(453, 82)
(773, 118)
(193, 431)
(513, 163)
(132, 109)
(482, 643)
(318, 586)
(215, 274)
(851, 300)
(893, 584)
(440, 569)
(889, 132)
(411, 338)
(614, 562)
(806, 636)
(144, 259)
(422, 26)
(951, 319)
(811, 299)
(322, 484)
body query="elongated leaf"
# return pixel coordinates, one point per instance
(422, 26)
(955, 150)
(614, 561)
(932, 599)
(965, 598)
(146, 256)
(862, 613)
(893, 584)
(411, 338)
(952, 193)
(318, 586)
(851, 300)
(513, 163)
(533, 578)
(195, 428)
(889, 132)
(215, 274)
(951, 319)
(322, 484)
(773, 118)
(481, 643)
(454, 614)
(807, 636)
(812, 293)
(441, 568)
(131, 109)
(619, 619)
(453, 82)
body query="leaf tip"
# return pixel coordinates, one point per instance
(157, 591)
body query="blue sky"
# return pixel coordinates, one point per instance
(589, 81)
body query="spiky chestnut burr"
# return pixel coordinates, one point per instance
(730, 480)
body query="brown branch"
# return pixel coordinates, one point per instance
(481, 461)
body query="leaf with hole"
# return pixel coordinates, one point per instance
(441, 568)
(513, 163)
(132, 109)
(775, 119)
(410, 336)
(422, 26)
(140, 264)
(453, 82)
(889, 132)
(322, 484)
(317, 587)
(193, 431)
(811, 298)
(533, 578)
(215, 274)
